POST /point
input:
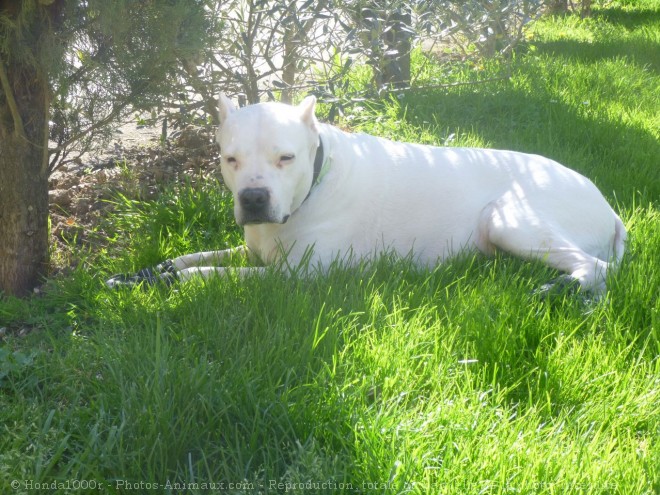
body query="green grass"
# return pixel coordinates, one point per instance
(395, 380)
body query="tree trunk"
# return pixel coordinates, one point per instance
(386, 36)
(558, 6)
(396, 65)
(290, 58)
(23, 178)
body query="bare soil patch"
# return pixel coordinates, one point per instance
(136, 165)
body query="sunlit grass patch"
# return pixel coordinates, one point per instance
(389, 379)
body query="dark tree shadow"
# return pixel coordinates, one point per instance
(620, 159)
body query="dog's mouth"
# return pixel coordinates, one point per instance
(254, 206)
(247, 219)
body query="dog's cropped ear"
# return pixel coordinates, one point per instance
(225, 107)
(306, 108)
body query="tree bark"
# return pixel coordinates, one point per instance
(23, 178)
(396, 67)
(558, 6)
(388, 44)
(289, 69)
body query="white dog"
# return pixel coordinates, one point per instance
(306, 191)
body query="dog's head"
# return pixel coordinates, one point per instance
(268, 155)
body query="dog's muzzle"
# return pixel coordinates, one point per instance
(256, 206)
(254, 200)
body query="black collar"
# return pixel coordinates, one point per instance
(318, 162)
(318, 165)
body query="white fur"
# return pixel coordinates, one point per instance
(427, 202)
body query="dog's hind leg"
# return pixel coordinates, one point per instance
(517, 230)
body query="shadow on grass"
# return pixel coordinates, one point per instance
(620, 159)
(641, 46)
(630, 19)
(643, 52)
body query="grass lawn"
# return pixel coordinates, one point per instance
(395, 380)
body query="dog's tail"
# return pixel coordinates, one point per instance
(619, 241)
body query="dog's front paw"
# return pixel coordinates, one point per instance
(163, 273)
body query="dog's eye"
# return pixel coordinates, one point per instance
(230, 160)
(287, 158)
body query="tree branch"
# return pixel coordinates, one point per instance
(104, 121)
(11, 101)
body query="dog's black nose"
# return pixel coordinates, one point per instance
(254, 199)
